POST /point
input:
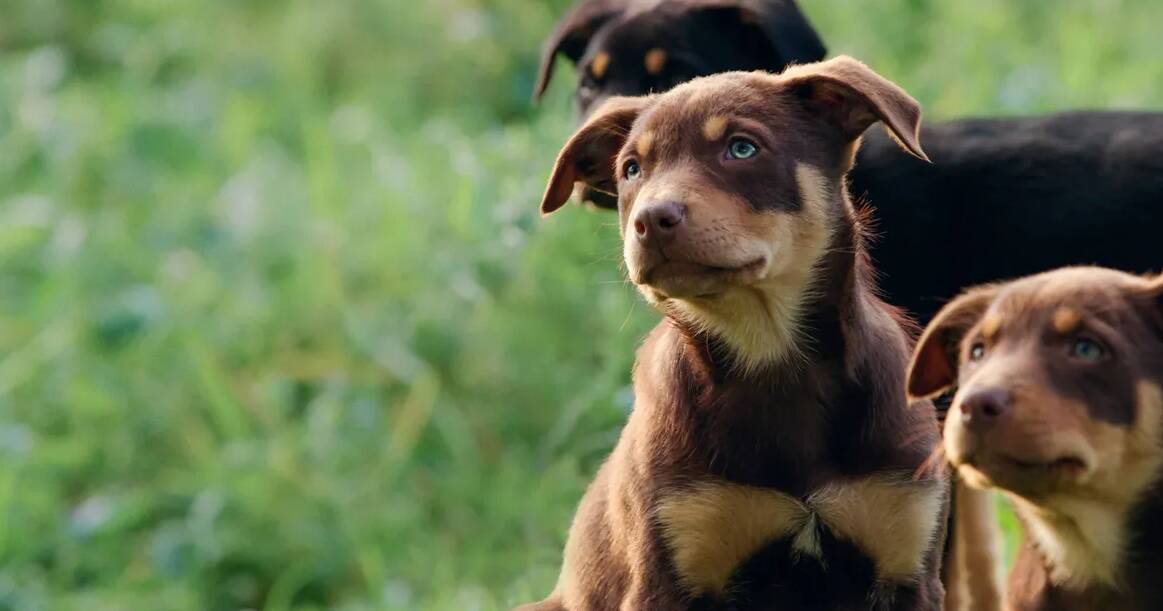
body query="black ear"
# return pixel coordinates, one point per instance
(934, 365)
(572, 34)
(788, 30)
(588, 156)
(776, 32)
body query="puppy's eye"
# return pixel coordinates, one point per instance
(741, 148)
(977, 352)
(632, 170)
(1089, 350)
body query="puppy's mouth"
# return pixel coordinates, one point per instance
(687, 279)
(1024, 474)
(1067, 465)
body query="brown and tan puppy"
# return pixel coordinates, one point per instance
(771, 458)
(1059, 406)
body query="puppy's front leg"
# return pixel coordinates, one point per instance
(927, 595)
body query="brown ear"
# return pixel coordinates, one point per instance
(572, 34)
(589, 154)
(933, 368)
(1155, 295)
(853, 97)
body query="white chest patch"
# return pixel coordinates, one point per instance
(713, 527)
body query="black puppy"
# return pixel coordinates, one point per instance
(1002, 197)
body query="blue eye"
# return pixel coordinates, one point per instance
(1087, 350)
(632, 170)
(741, 148)
(977, 352)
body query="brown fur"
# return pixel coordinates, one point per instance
(1072, 438)
(771, 459)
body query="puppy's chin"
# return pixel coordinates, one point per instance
(1026, 477)
(686, 280)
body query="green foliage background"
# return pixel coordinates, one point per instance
(280, 327)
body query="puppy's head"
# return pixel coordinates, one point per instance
(729, 187)
(1058, 383)
(635, 47)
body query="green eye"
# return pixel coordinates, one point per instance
(1087, 350)
(741, 149)
(977, 352)
(632, 170)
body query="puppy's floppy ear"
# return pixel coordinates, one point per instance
(853, 97)
(933, 368)
(1155, 297)
(572, 34)
(589, 154)
(781, 25)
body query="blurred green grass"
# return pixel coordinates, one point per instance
(280, 327)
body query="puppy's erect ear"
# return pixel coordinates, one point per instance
(933, 368)
(589, 154)
(572, 34)
(853, 97)
(781, 25)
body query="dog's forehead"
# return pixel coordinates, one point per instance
(1062, 298)
(724, 96)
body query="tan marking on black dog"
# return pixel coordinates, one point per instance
(600, 64)
(654, 61)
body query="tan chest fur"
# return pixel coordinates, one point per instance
(711, 528)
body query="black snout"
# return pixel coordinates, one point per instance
(656, 224)
(985, 407)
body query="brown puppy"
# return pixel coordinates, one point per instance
(1059, 406)
(771, 457)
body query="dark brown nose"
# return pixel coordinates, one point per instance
(984, 408)
(656, 224)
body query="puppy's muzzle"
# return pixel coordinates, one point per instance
(656, 225)
(985, 408)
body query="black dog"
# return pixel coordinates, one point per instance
(1002, 197)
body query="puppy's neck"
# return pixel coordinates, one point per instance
(1091, 545)
(1104, 535)
(1081, 541)
(780, 321)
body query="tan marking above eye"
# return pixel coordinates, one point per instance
(991, 325)
(655, 61)
(600, 64)
(645, 143)
(1066, 320)
(714, 127)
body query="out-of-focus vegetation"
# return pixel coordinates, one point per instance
(280, 327)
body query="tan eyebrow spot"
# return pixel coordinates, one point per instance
(655, 60)
(1066, 319)
(990, 325)
(600, 64)
(645, 143)
(714, 127)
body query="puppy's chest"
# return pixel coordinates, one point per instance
(714, 528)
